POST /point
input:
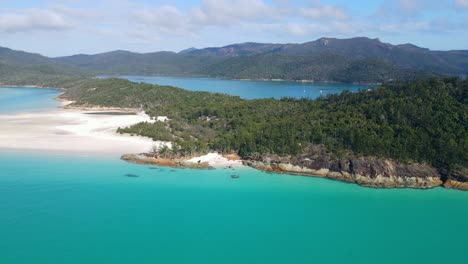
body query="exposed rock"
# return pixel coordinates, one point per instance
(193, 165)
(324, 42)
(457, 179)
(148, 159)
(232, 156)
(365, 171)
(369, 171)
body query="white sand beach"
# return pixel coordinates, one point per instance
(72, 131)
(91, 131)
(216, 160)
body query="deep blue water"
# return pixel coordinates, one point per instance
(64, 208)
(250, 89)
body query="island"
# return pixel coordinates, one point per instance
(399, 134)
(406, 132)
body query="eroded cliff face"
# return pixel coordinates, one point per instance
(457, 179)
(365, 171)
(368, 171)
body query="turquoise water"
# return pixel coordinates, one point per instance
(63, 208)
(78, 209)
(250, 89)
(13, 100)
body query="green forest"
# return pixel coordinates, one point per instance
(324, 67)
(419, 121)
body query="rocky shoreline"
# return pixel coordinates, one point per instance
(147, 159)
(369, 172)
(365, 171)
(457, 180)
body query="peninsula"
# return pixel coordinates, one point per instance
(396, 135)
(410, 132)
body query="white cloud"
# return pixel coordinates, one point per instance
(434, 26)
(297, 29)
(407, 9)
(142, 37)
(165, 19)
(218, 13)
(333, 28)
(411, 6)
(461, 3)
(33, 20)
(405, 17)
(396, 28)
(178, 24)
(246, 14)
(75, 12)
(222, 12)
(323, 12)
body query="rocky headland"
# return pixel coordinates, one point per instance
(457, 179)
(365, 171)
(368, 171)
(151, 159)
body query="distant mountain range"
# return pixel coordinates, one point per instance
(405, 55)
(326, 59)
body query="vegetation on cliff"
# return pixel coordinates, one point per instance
(422, 121)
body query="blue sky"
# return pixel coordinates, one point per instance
(65, 27)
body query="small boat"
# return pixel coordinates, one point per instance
(234, 176)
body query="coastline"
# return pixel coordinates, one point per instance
(242, 79)
(67, 105)
(74, 131)
(367, 172)
(208, 161)
(304, 81)
(3, 85)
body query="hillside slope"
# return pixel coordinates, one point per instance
(359, 60)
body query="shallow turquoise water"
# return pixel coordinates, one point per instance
(61, 208)
(78, 209)
(13, 100)
(250, 89)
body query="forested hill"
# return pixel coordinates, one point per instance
(422, 121)
(23, 68)
(361, 60)
(326, 59)
(361, 48)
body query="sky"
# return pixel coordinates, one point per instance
(66, 27)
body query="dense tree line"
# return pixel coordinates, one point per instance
(323, 67)
(420, 121)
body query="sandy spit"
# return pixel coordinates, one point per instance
(72, 131)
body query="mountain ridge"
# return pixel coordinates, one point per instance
(359, 59)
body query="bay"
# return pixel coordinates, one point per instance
(25, 99)
(251, 89)
(64, 208)
(85, 209)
